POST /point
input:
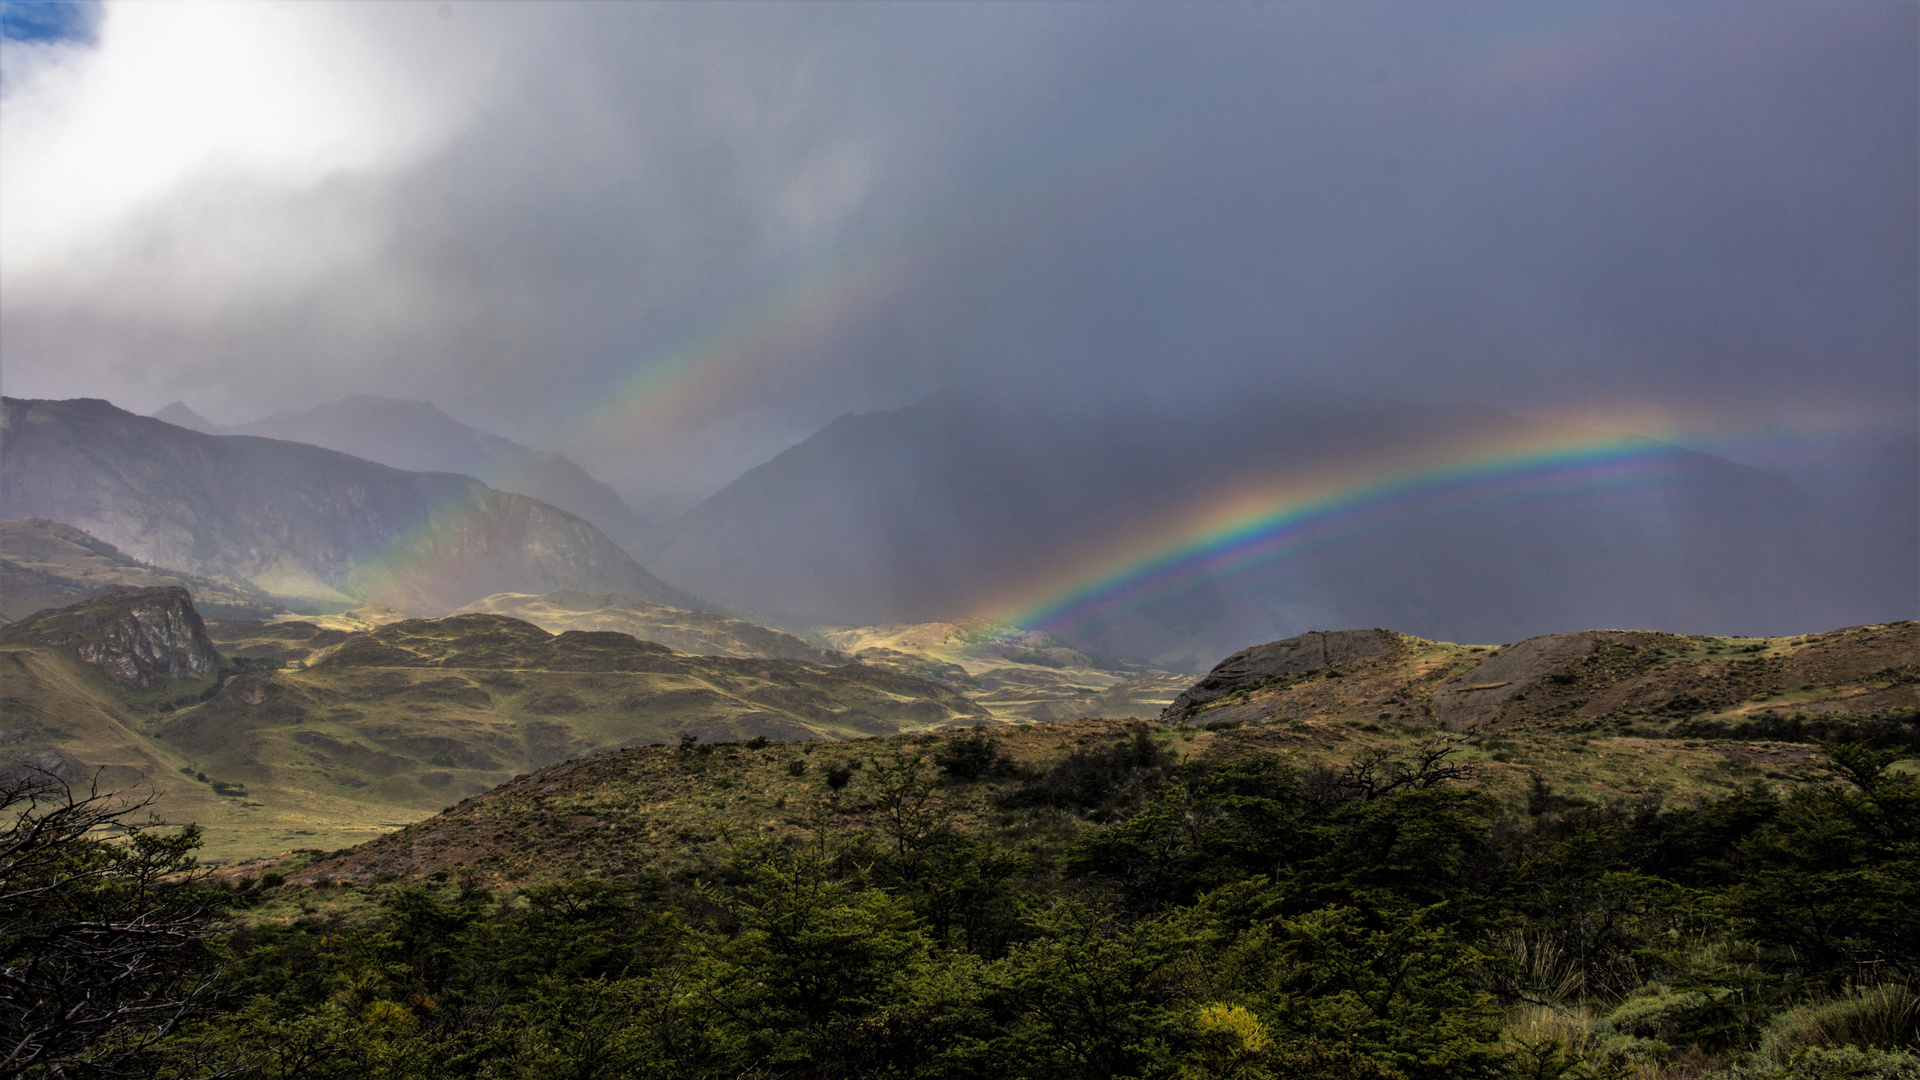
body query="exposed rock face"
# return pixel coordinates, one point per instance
(298, 521)
(1292, 656)
(139, 637)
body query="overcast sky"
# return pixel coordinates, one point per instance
(671, 240)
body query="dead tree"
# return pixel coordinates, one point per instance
(103, 928)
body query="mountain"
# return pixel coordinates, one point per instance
(300, 522)
(179, 415)
(45, 564)
(964, 505)
(418, 437)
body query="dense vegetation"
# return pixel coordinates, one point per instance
(1121, 913)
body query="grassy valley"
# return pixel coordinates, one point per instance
(1016, 674)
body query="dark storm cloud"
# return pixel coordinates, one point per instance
(1708, 207)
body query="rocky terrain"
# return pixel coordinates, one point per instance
(141, 638)
(309, 526)
(1594, 680)
(45, 564)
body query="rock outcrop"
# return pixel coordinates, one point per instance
(1260, 664)
(141, 638)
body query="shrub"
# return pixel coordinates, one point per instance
(973, 757)
(838, 774)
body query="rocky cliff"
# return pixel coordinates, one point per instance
(140, 637)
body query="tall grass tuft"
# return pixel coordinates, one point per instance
(1883, 1016)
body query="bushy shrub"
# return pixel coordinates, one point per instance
(972, 757)
(1114, 775)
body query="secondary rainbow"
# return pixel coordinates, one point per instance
(1256, 528)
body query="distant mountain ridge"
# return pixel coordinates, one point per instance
(301, 522)
(419, 437)
(916, 514)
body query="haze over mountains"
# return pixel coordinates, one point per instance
(303, 523)
(968, 505)
(926, 511)
(419, 437)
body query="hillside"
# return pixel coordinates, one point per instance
(665, 808)
(1015, 674)
(701, 633)
(930, 511)
(307, 525)
(294, 735)
(418, 437)
(46, 564)
(1597, 680)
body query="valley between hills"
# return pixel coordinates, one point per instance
(285, 734)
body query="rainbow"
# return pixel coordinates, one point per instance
(1254, 528)
(661, 387)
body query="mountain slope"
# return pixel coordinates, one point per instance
(931, 511)
(300, 522)
(418, 437)
(45, 564)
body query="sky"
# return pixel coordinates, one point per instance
(671, 240)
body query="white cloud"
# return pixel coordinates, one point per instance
(155, 170)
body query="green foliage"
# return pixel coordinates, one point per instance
(1125, 913)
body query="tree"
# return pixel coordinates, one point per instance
(103, 928)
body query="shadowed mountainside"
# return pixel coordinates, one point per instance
(924, 512)
(45, 564)
(418, 437)
(307, 524)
